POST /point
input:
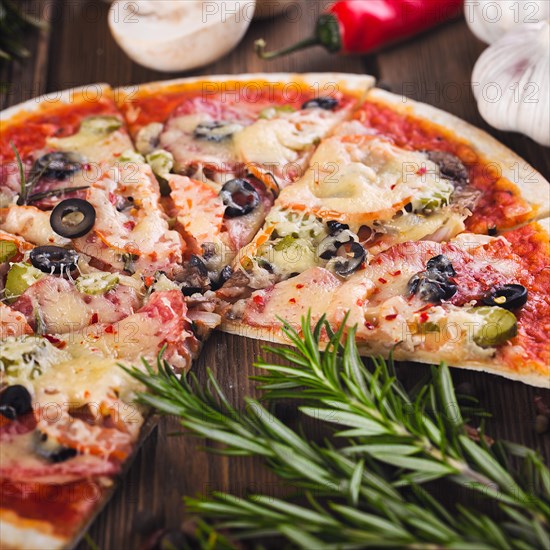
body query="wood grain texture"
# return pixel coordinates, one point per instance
(434, 68)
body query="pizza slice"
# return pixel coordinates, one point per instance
(77, 182)
(366, 190)
(68, 424)
(477, 302)
(223, 148)
(510, 192)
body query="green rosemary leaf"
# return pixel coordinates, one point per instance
(22, 180)
(397, 442)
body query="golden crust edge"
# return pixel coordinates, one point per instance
(275, 335)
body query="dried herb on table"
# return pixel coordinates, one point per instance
(368, 485)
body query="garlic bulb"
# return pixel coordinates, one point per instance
(176, 35)
(511, 82)
(490, 19)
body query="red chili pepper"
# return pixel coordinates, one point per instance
(362, 26)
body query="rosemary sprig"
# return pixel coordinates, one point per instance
(369, 484)
(27, 184)
(13, 24)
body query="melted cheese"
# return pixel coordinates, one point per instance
(141, 230)
(364, 179)
(30, 223)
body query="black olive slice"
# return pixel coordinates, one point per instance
(239, 197)
(194, 277)
(450, 166)
(434, 284)
(442, 264)
(50, 449)
(431, 286)
(326, 103)
(346, 266)
(507, 296)
(335, 227)
(215, 130)
(58, 165)
(53, 259)
(224, 276)
(338, 236)
(73, 218)
(15, 401)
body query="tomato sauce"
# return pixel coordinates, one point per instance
(250, 97)
(530, 244)
(64, 506)
(500, 205)
(29, 131)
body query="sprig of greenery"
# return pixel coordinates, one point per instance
(27, 185)
(369, 484)
(13, 25)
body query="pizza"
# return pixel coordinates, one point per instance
(133, 222)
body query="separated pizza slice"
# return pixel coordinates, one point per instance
(68, 422)
(508, 191)
(223, 147)
(477, 302)
(70, 178)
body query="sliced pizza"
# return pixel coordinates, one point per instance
(382, 179)
(70, 177)
(223, 149)
(477, 302)
(510, 192)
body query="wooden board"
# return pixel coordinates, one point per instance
(434, 68)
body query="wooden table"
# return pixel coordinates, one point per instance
(434, 68)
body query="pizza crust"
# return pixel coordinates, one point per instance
(276, 335)
(43, 103)
(351, 83)
(535, 189)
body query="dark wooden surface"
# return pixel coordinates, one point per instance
(434, 68)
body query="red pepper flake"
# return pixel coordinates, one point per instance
(149, 281)
(94, 319)
(369, 326)
(382, 280)
(299, 285)
(424, 317)
(422, 171)
(292, 301)
(391, 317)
(423, 308)
(110, 329)
(360, 303)
(86, 394)
(396, 273)
(259, 300)
(59, 344)
(129, 225)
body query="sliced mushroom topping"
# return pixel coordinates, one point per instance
(216, 130)
(450, 166)
(240, 197)
(148, 138)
